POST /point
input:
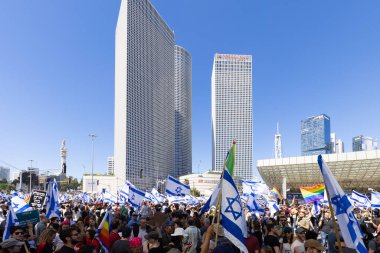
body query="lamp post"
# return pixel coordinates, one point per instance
(30, 176)
(92, 136)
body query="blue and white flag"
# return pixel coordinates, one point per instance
(63, 198)
(212, 200)
(316, 209)
(11, 221)
(360, 199)
(19, 205)
(257, 188)
(177, 199)
(233, 220)
(52, 200)
(191, 200)
(136, 197)
(109, 197)
(273, 207)
(348, 224)
(159, 198)
(176, 188)
(375, 199)
(124, 192)
(254, 205)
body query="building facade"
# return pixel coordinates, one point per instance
(363, 143)
(4, 173)
(315, 135)
(144, 95)
(231, 91)
(205, 183)
(110, 165)
(336, 145)
(182, 107)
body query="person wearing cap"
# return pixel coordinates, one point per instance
(154, 246)
(11, 245)
(135, 245)
(298, 244)
(176, 243)
(313, 246)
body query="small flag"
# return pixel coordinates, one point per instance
(360, 199)
(176, 188)
(124, 192)
(109, 197)
(19, 205)
(212, 200)
(254, 205)
(104, 230)
(313, 193)
(348, 224)
(10, 222)
(375, 199)
(276, 193)
(158, 197)
(52, 200)
(257, 188)
(230, 159)
(136, 197)
(177, 199)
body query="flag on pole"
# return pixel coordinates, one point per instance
(375, 199)
(177, 199)
(109, 197)
(136, 197)
(157, 196)
(256, 188)
(233, 220)
(52, 200)
(275, 192)
(10, 222)
(124, 192)
(230, 159)
(348, 224)
(104, 230)
(176, 188)
(212, 200)
(313, 193)
(360, 199)
(254, 205)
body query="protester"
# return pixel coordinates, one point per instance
(122, 245)
(11, 246)
(298, 244)
(45, 243)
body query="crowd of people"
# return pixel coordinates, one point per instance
(176, 228)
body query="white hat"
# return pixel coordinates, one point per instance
(178, 232)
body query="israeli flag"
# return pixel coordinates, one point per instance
(375, 199)
(232, 213)
(254, 205)
(63, 198)
(52, 200)
(11, 221)
(109, 197)
(136, 197)
(157, 196)
(212, 200)
(316, 209)
(254, 187)
(124, 192)
(360, 199)
(191, 200)
(19, 205)
(348, 224)
(273, 207)
(177, 199)
(176, 188)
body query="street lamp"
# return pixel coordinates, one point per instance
(30, 176)
(92, 136)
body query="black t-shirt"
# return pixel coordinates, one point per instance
(272, 241)
(120, 246)
(66, 249)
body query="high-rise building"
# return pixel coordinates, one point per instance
(182, 107)
(363, 143)
(231, 101)
(4, 173)
(144, 95)
(110, 165)
(315, 135)
(336, 145)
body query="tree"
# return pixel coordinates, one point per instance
(187, 182)
(195, 192)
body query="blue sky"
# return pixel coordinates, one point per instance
(310, 57)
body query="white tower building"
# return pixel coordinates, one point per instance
(277, 144)
(231, 91)
(63, 157)
(144, 95)
(182, 106)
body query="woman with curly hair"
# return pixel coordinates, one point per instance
(45, 241)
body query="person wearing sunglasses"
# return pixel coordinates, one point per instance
(18, 233)
(70, 239)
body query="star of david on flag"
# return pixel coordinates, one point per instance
(137, 197)
(176, 188)
(233, 219)
(52, 200)
(348, 224)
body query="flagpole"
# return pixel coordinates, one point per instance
(218, 206)
(337, 236)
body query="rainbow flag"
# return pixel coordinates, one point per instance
(27, 198)
(276, 193)
(313, 193)
(230, 159)
(104, 230)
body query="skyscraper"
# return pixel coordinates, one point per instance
(231, 91)
(363, 143)
(315, 135)
(182, 106)
(144, 95)
(277, 144)
(336, 145)
(110, 165)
